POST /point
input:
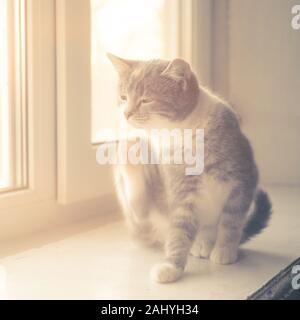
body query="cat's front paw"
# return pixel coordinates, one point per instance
(224, 255)
(166, 272)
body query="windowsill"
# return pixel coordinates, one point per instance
(105, 263)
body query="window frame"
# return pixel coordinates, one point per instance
(38, 101)
(79, 176)
(36, 207)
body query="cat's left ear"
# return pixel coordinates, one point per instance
(179, 71)
(121, 65)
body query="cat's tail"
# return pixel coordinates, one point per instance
(259, 217)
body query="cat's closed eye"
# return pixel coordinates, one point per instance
(146, 100)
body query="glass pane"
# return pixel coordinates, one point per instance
(5, 177)
(12, 95)
(134, 29)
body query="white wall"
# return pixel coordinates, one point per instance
(264, 83)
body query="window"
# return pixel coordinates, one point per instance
(131, 29)
(27, 108)
(13, 135)
(4, 104)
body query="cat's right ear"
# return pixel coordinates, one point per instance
(179, 71)
(121, 65)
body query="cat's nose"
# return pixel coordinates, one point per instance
(128, 114)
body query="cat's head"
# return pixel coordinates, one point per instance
(155, 91)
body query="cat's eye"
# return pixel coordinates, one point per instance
(123, 97)
(146, 100)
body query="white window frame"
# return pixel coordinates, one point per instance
(39, 99)
(79, 176)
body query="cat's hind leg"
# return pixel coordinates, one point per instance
(231, 226)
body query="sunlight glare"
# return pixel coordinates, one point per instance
(133, 29)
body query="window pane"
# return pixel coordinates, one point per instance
(5, 178)
(12, 95)
(134, 29)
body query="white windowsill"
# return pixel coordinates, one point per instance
(105, 263)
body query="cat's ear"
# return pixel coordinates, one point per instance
(121, 65)
(179, 71)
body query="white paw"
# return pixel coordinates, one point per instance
(224, 255)
(166, 272)
(201, 250)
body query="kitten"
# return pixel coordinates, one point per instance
(207, 215)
